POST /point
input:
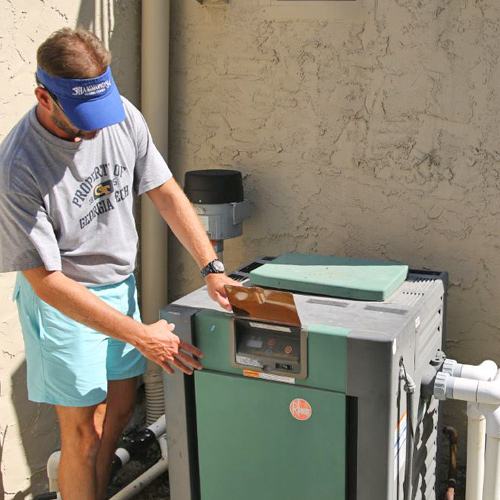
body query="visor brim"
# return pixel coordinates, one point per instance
(94, 114)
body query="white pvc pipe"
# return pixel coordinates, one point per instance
(159, 427)
(148, 477)
(476, 433)
(484, 371)
(491, 475)
(52, 470)
(475, 391)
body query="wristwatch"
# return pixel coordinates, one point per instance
(214, 267)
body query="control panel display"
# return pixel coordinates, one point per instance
(269, 347)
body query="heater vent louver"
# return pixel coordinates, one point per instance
(425, 462)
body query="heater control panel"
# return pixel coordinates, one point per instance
(269, 347)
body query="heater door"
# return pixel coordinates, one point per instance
(266, 440)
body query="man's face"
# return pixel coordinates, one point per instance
(60, 120)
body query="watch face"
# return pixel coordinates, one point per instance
(218, 266)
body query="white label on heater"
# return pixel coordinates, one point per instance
(243, 360)
(277, 378)
(270, 327)
(400, 433)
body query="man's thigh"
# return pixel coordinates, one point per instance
(69, 364)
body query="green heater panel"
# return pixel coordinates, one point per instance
(326, 350)
(332, 276)
(262, 440)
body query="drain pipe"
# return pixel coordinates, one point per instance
(154, 106)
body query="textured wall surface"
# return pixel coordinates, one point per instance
(371, 137)
(28, 432)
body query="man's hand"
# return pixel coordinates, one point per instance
(215, 286)
(165, 348)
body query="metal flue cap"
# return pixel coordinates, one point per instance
(213, 187)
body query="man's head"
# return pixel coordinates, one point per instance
(76, 87)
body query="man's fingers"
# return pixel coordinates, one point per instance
(182, 367)
(168, 368)
(191, 348)
(188, 360)
(223, 302)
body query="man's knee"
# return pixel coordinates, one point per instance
(83, 440)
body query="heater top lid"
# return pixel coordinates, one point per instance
(339, 277)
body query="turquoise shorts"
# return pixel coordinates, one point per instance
(68, 363)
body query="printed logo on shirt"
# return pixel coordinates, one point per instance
(103, 189)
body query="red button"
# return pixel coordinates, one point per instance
(271, 342)
(288, 349)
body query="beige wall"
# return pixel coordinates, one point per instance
(374, 136)
(360, 131)
(28, 432)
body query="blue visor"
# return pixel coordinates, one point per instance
(89, 103)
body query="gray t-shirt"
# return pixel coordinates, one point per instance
(69, 205)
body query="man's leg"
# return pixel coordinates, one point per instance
(81, 430)
(119, 411)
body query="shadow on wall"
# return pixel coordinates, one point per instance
(118, 22)
(37, 427)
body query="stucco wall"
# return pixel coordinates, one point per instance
(368, 135)
(28, 432)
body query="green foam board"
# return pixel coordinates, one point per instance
(339, 277)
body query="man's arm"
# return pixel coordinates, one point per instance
(182, 219)
(156, 341)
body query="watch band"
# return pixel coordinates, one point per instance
(213, 267)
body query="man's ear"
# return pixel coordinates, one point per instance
(44, 99)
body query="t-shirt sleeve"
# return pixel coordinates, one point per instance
(151, 169)
(27, 238)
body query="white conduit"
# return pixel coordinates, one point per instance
(482, 390)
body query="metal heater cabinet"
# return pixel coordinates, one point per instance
(336, 429)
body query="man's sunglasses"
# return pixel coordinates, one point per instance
(52, 96)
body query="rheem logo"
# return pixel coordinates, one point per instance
(300, 409)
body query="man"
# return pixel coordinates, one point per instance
(68, 173)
